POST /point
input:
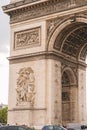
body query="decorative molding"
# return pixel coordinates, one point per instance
(16, 4)
(83, 53)
(27, 38)
(69, 64)
(39, 9)
(25, 86)
(53, 23)
(25, 109)
(70, 41)
(59, 45)
(56, 74)
(46, 55)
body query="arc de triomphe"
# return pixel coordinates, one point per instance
(48, 47)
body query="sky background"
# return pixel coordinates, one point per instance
(4, 53)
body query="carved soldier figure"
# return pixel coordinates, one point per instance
(25, 86)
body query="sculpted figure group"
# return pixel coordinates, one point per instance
(26, 86)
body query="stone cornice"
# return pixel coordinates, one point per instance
(44, 55)
(22, 109)
(21, 4)
(24, 10)
(38, 54)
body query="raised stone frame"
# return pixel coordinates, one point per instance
(27, 38)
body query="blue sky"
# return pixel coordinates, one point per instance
(4, 53)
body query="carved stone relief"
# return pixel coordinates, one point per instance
(65, 45)
(56, 74)
(52, 23)
(40, 9)
(27, 38)
(83, 53)
(26, 86)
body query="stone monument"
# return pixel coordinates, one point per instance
(48, 47)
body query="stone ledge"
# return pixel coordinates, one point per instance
(22, 109)
(46, 55)
(23, 10)
(14, 5)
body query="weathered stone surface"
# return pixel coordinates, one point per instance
(27, 38)
(47, 77)
(39, 8)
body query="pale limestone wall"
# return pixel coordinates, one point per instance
(47, 107)
(25, 26)
(82, 95)
(56, 105)
(23, 114)
(10, 117)
(74, 104)
(53, 92)
(39, 76)
(39, 112)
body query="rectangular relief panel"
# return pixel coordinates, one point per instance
(27, 38)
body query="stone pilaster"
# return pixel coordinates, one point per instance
(82, 94)
(53, 92)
